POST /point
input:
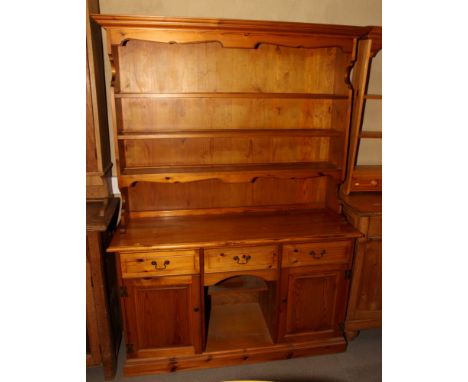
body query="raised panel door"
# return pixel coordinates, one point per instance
(162, 316)
(313, 303)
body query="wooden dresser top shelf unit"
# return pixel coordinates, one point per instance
(231, 143)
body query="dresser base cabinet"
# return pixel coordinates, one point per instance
(224, 300)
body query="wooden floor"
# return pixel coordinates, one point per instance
(237, 326)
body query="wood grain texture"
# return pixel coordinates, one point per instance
(161, 263)
(186, 68)
(229, 173)
(212, 194)
(363, 178)
(98, 159)
(135, 367)
(236, 229)
(162, 316)
(230, 33)
(297, 255)
(103, 324)
(305, 317)
(224, 151)
(155, 114)
(240, 258)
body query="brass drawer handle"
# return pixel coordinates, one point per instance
(155, 263)
(319, 255)
(245, 259)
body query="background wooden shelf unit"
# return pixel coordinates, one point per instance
(373, 97)
(363, 178)
(362, 203)
(371, 134)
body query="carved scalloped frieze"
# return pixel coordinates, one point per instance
(229, 39)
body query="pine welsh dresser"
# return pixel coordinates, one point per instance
(231, 142)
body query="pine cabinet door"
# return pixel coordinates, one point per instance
(162, 316)
(313, 303)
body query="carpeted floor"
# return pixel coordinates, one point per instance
(362, 362)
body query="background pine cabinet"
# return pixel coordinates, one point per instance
(364, 211)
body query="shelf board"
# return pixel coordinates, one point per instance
(234, 326)
(228, 133)
(373, 96)
(228, 173)
(233, 95)
(371, 134)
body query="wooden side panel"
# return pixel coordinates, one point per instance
(208, 67)
(211, 151)
(360, 82)
(366, 290)
(92, 330)
(91, 153)
(153, 114)
(146, 196)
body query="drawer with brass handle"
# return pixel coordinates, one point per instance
(237, 259)
(147, 264)
(295, 255)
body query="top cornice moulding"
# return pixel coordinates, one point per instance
(156, 22)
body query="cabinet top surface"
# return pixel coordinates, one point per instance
(155, 22)
(364, 203)
(235, 229)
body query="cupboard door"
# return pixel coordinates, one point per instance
(162, 316)
(313, 303)
(365, 303)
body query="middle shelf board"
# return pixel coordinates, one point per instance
(233, 95)
(226, 133)
(228, 173)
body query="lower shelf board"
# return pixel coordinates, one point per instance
(142, 366)
(237, 326)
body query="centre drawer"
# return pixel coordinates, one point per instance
(237, 259)
(161, 263)
(296, 255)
